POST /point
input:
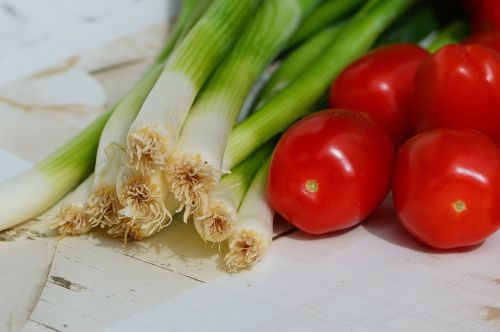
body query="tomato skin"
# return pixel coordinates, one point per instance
(379, 84)
(458, 87)
(446, 187)
(489, 39)
(486, 15)
(347, 155)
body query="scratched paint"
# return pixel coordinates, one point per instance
(60, 281)
(493, 313)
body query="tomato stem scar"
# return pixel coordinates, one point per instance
(459, 206)
(312, 186)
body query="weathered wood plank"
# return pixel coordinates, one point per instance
(24, 266)
(91, 286)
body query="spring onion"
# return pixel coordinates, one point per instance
(103, 204)
(323, 16)
(451, 34)
(297, 99)
(55, 176)
(73, 218)
(195, 165)
(218, 224)
(190, 12)
(297, 62)
(413, 26)
(146, 201)
(416, 24)
(254, 229)
(154, 132)
(153, 219)
(31, 193)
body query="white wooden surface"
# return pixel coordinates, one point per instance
(24, 261)
(25, 266)
(37, 33)
(372, 278)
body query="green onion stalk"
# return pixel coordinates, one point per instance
(72, 218)
(219, 223)
(33, 192)
(103, 204)
(451, 34)
(155, 130)
(194, 168)
(191, 11)
(253, 231)
(102, 207)
(29, 194)
(141, 187)
(323, 16)
(144, 202)
(297, 62)
(417, 24)
(299, 97)
(413, 26)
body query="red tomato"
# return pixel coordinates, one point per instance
(486, 14)
(447, 187)
(330, 171)
(379, 84)
(459, 87)
(490, 39)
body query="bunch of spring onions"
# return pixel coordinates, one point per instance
(171, 145)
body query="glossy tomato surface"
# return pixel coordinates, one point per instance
(490, 39)
(458, 87)
(379, 84)
(447, 187)
(330, 171)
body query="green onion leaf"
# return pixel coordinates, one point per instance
(299, 97)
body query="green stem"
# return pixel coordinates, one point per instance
(31, 193)
(27, 195)
(253, 232)
(206, 43)
(451, 34)
(126, 110)
(241, 175)
(297, 62)
(323, 16)
(210, 120)
(412, 27)
(154, 132)
(184, 20)
(298, 98)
